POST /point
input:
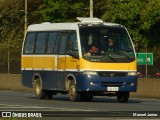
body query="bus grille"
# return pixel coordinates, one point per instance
(112, 74)
(112, 84)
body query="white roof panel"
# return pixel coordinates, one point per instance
(89, 20)
(52, 26)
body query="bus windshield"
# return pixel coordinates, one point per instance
(106, 44)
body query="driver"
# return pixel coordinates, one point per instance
(109, 46)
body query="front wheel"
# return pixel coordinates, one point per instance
(122, 97)
(73, 93)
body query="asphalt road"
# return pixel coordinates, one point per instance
(100, 106)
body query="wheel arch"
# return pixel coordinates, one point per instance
(69, 78)
(35, 77)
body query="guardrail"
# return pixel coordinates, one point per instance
(12, 82)
(147, 87)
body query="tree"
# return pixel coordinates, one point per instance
(10, 31)
(128, 14)
(34, 14)
(64, 10)
(12, 27)
(11, 23)
(151, 22)
(141, 17)
(12, 20)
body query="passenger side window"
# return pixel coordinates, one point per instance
(73, 45)
(52, 42)
(29, 43)
(41, 42)
(62, 47)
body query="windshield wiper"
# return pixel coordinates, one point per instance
(122, 52)
(109, 56)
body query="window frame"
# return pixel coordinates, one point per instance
(45, 46)
(25, 43)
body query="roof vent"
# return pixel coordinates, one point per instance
(46, 23)
(89, 20)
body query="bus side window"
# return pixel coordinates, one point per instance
(41, 42)
(73, 44)
(29, 43)
(62, 45)
(52, 42)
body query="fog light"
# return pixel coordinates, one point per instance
(91, 83)
(131, 84)
(132, 73)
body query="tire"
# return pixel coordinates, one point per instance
(73, 93)
(39, 92)
(122, 97)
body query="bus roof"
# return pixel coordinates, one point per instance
(47, 26)
(52, 26)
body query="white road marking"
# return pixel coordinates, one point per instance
(39, 107)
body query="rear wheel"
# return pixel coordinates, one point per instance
(73, 93)
(122, 97)
(40, 93)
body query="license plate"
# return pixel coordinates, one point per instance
(112, 88)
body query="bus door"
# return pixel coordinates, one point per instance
(61, 61)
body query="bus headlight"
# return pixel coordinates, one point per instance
(132, 84)
(90, 73)
(133, 73)
(91, 83)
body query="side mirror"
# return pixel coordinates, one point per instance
(73, 54)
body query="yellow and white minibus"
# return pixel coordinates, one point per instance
(81, 59)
